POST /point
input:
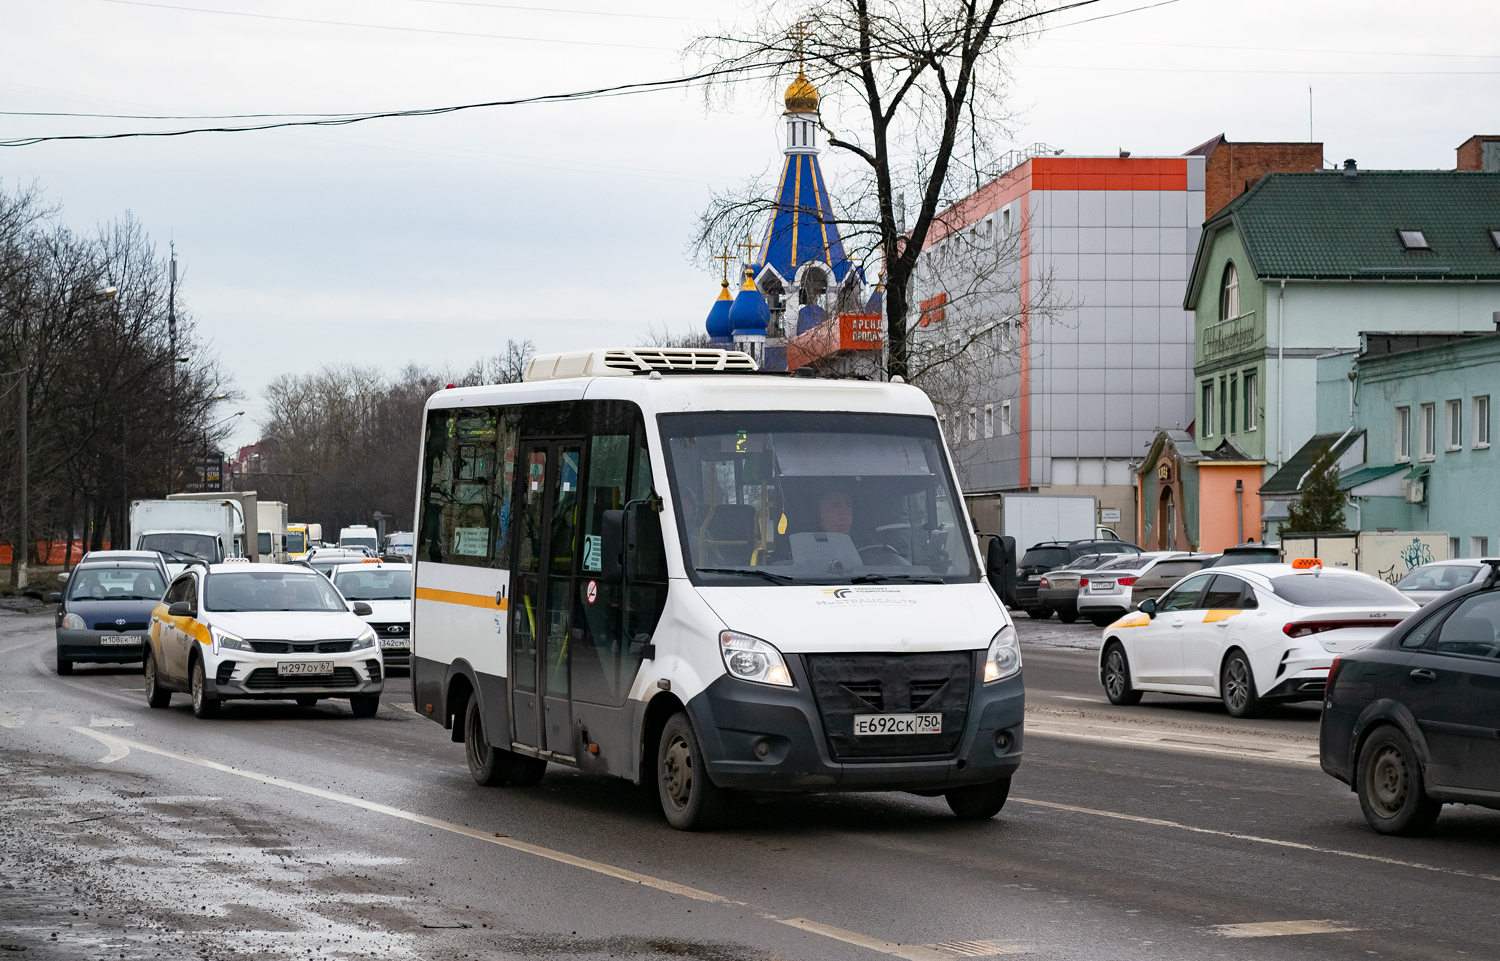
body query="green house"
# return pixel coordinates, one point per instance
(1298, 266)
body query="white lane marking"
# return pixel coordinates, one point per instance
(117, 747)
(504, 841)
(1295, 845)
(109, 722)
(13, 716)
(945, 951)
(1276, 929)
(54, 717)
(23, 645)
(1172, 739)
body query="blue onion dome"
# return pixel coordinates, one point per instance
(750, 314)
(718, 325)
(809, 317)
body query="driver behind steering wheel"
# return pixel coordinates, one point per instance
(836, 515)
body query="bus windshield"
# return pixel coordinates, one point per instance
(787, 497)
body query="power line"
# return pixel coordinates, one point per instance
(381, 26)
(587, 13)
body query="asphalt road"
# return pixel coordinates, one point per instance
(1167, 830)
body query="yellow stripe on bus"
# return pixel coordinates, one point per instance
(486, 601)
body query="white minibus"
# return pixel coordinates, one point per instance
(665, 565)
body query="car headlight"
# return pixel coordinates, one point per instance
(72, 622)
(1004, 656)
(752, 659)
(225, 641)
(367, 639)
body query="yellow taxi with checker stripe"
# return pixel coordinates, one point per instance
(260, 631)
(1249, 634)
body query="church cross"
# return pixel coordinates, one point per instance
(726, 259)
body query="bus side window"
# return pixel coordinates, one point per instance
(469, 466)
(437, 484)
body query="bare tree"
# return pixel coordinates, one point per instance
(916, 92)
(660, 335)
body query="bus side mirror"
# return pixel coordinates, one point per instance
(612, 548)
(1000, 563)
(1148, 607)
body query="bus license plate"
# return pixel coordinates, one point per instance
(400, 643)
(120, 639)
(286, 668)
(870, 724)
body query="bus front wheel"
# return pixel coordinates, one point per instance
(978, 802)
(689, 799)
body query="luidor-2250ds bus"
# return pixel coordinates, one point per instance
(666, 564)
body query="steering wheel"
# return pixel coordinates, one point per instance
(878, 553)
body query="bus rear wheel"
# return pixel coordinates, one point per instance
(491, 766)
(689, 799)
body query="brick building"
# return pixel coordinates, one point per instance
(1480, 152)
(1230, 169)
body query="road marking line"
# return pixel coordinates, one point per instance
(1276, 929)
(1295, 845)
(109, 722)
(911, 952)
(117, 747)
(1172, 740)
(979, 949)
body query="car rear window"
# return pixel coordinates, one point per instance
(1048, 557)
(1314, 590)
(1176, 568)
(1438, 577)
(1127, 563)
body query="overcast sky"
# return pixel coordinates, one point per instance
(434, 240)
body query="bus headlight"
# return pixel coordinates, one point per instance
(1004, 656)
(752, 659)
(367, 639)
(225, 641)
(72, 622)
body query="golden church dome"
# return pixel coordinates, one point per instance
(801, 96)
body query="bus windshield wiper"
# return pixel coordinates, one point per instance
(876, 578)
(755, 571)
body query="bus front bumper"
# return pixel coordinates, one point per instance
(756, 737)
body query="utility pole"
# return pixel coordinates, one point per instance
(25, 466)
(172, 391)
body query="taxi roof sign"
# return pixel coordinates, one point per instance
(1307, 564)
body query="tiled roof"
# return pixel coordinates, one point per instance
(1328, 225)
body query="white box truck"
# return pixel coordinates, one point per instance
(1389, 555)
(244, 503)
(184, 531)
(1034, 518)
(270, 529)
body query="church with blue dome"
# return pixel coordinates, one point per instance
(799, 274)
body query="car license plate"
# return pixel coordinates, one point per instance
(1101, 587)
(120, 639)
(286, 668)
(871, 724)
(390, 642)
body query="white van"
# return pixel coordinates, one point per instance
(360, 537)
(664, 565)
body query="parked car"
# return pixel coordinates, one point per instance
(105, 607)
(325, 559)
(387, 589)
(1052, 556)
(1409, 722)
(1058, 590)
(1248, 553)
(1118, 587)
(260, 631)
(1429, 582)
(1250, 635)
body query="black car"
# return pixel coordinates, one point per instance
(1413, 721)
(105, 607)
(1052, 556)
(1248, 553)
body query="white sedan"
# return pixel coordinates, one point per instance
(278, 631)
(1248, 634)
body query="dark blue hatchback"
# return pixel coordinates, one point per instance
(105, 611)
(1413, 721)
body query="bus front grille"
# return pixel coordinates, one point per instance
(846, 685)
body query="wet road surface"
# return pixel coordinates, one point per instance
(1168, 830)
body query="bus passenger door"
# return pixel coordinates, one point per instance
(541, 598)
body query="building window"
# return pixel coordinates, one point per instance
(1455, 424)
(1234, 403)
(1207, 414)
(1229, 293)
(1005, 427)
(989, 420)
(1479, 546)
(1403, 433)
(973, 423)
(1414, 240)
(1223, 407)
(1453, 548)
(1429, 431)
(1482, 421)
(1252, 401)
